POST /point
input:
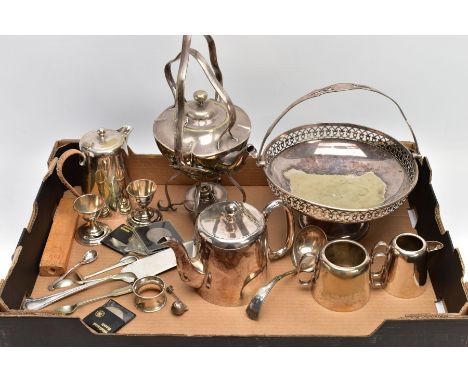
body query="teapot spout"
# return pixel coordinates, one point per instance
(191, 270)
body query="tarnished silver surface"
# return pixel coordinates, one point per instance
(150, 294)
(404, 273)
(62, 281)
(342, 149)
(204, 137)
(230, 252)
(141, 192)
(178, 307)
(340, 277)
(89, 207)
(307, 245)
(202, 195)
(42, 302)
(103, 154)
(70, 308)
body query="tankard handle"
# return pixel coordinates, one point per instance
(273, 255)
(59, 168)
(335, 88)
(379, 278)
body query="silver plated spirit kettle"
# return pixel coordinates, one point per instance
(204, 137)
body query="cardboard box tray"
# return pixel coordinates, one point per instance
(289, 317)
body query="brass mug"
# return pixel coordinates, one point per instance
(404, 273)
(341, 275)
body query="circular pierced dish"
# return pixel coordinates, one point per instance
(339, 149)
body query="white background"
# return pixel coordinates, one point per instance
(61, 87)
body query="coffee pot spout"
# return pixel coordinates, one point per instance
(190, 268)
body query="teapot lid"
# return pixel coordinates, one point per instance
(230, 224)
(206, 121)
(104, 141)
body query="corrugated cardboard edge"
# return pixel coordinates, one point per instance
(33, 217)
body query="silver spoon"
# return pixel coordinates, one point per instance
(69, 309)
(307, 245)
(88, 258)
(178, 308)
(78, 279)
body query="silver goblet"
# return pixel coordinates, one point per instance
(89, 207)
(141, 194)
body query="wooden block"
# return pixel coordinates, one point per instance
(54, 261)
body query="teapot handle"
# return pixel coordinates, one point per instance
(273, 255)
(180, 97)
(336, 88)
(67, 154)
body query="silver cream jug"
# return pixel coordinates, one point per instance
(404, 274)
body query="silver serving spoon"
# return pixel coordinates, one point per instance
(69, 309)
(88, 258)
(78, 279)
(307, 245)
(178, 308)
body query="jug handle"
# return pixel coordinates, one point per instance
(67, 154)
(379, 278)
(273, 255)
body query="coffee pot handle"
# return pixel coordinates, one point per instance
(67, 154)
(379, 278)
(279, 253)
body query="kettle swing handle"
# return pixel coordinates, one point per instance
(180, 98)
(279, 253)
(59, 167)
(214, 66)
(335, 88)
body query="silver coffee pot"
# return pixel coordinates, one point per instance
(230, 251)
(103, 153)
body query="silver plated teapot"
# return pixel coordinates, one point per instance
(230, 252)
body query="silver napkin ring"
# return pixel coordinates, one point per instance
(150, 295)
